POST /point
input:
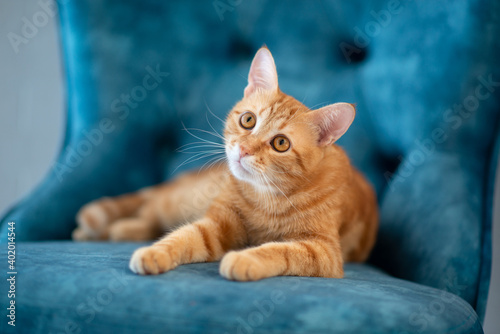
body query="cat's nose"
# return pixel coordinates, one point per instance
(244, 151)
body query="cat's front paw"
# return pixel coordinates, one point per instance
(242, 266)
(151, 261)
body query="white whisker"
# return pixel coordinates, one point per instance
(212, 161)
(211, 112)
(210, 148)
(282, 193)
(190, 145)
(197, 137)
(217, 132)
(194, 158)
(204, 131)
(270, 200)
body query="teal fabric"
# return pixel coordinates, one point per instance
(424, 76)
(66, 287)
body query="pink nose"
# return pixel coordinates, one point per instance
(244, 151)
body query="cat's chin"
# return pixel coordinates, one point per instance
(242, 174)
(239, 171)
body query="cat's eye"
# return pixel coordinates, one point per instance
(280, 143)
(248, 120)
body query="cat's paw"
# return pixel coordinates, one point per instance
(79, 234)
(242, 266)
(151, 261)
(93, 221)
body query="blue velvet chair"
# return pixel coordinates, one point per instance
(426, 81)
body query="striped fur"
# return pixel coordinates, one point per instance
(300, 212)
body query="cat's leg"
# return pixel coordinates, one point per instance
(160, 208)
(202, 241)
(94, 218)
(134, 229)
(184, 200)
(319, 257)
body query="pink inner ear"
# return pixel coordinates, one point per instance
(333, 121)
(262, 72)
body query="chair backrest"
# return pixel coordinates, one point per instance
(422, 74)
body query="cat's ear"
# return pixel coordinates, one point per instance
(332, 121)
(262, 73)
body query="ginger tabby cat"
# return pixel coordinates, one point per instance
(288, 201)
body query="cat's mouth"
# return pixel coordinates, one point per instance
(241, 168)
(239, 164)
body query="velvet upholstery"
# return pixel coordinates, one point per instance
(91, 290)
(424, 76)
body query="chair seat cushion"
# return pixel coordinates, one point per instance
(66, 287)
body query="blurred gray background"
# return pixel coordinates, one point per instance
(32, 119)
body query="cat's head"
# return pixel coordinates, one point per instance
(271, 138)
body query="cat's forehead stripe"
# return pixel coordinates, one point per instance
(278, 115)
(266, 109)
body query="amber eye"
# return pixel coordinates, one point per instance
(248, 120)
(280, 143)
